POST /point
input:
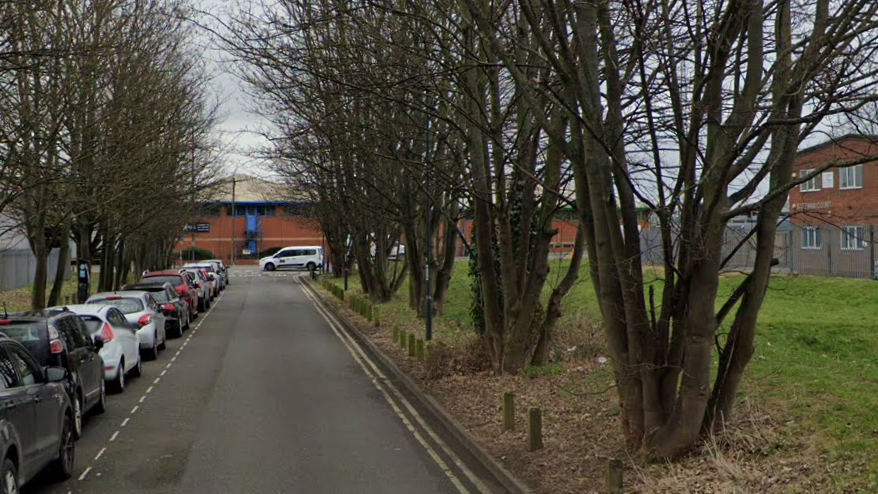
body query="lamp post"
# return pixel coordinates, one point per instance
(428, 224)
(232, 212)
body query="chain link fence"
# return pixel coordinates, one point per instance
(825, 250)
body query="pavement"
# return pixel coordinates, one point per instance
(263, 396)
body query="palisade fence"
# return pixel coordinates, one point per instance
(17, 268)
(830, 252)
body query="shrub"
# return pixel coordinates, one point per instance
(200, 254)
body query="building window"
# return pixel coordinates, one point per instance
(853, 238)
(811, 238)
(257, 210)
(810, 185)
(210, 210)
(851, 177)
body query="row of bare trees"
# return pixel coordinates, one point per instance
(104, 134)
(691, 110)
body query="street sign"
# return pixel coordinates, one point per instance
(197, 228)
(245, 252)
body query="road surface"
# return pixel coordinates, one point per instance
(263, 397)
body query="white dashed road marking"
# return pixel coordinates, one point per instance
(142, 398)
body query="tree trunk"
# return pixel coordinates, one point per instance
(41, 274)
(63, 265)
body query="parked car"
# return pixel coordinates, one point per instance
(211, 267)
(212, 275)
(202, 286)
(173, 307)
(221, 267)
(181, 283)
(140, 308)
(121, 351)
(36, 418)
(58, 338)
(306, 257)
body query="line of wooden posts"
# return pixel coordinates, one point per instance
(415, 347)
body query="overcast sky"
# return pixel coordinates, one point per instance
(238, 126)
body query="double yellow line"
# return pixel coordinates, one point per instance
(379, 379)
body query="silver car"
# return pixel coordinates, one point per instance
(215, 277)
(142, 311)
(221, 268)
(121, 350)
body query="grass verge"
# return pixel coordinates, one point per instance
(808, 411)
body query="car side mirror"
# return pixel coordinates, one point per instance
(99, 342)
(56, 374)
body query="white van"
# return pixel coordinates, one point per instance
(297, 257)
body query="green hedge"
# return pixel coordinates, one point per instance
(200, 254)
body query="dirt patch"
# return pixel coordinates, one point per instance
(759, 453)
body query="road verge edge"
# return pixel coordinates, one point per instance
(451, 426)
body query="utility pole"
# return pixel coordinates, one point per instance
(428, 224)
(192, 205)
(232, 213)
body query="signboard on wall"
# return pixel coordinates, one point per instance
(197, 228)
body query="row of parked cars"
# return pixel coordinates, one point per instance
(57, 364)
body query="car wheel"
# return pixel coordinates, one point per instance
(77, 415)
(188, 321)
(137, 370)
(269, 266)
(201, 303)
(10, 478)
(311, 266)
(163, 344)
(118, 384)
(101, 407)
(152, 353)
(178, 329)
(63, 466)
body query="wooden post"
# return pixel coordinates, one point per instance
(411, 344)
(614, 476)
(420, 350)
(535, 430)
(509, 411)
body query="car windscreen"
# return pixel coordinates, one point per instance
(93, 323)
(158, 280)
(126, 304)
(34, 335)
(207, 267)
(161, 297)
(196, 274)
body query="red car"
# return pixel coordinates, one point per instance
(180, 283)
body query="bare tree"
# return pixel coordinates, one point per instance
(696, 111)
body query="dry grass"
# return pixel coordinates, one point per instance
(20, 299)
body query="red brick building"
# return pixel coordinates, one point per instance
(835, 213)
(249, 215)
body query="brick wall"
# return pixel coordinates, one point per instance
(280, 230)
(833, 204)
(832, 208)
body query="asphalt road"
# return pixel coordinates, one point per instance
(263, 397)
